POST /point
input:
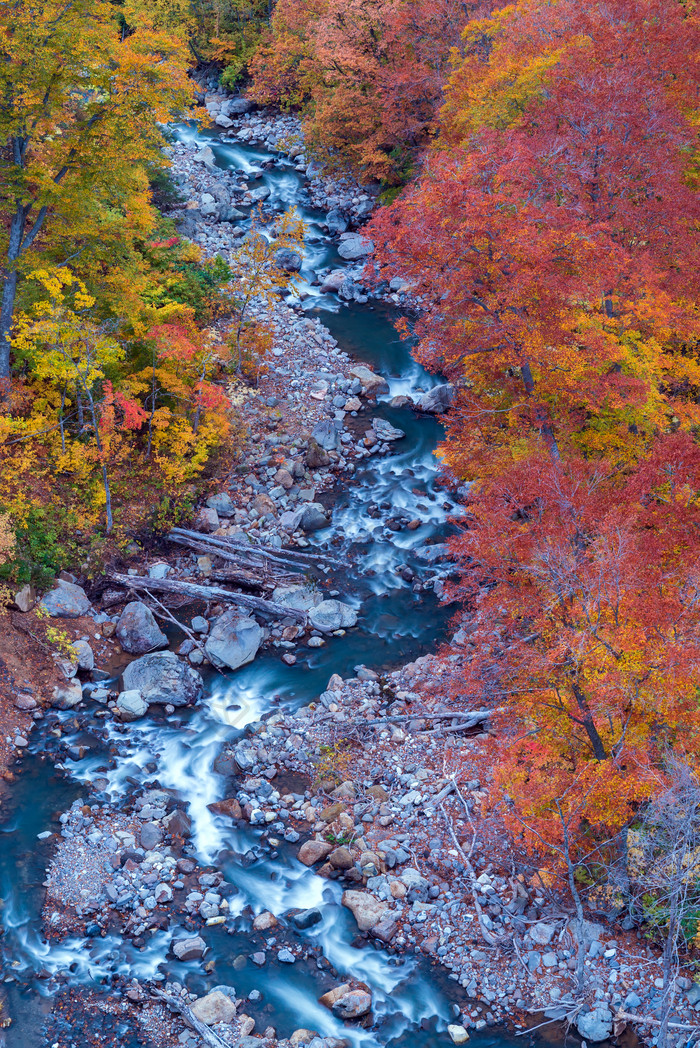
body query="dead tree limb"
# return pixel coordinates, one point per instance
(193, 590)
(165, 613)
(648, 1020)
(248, 577)
(486, 935)
(191, 1020)
(280, 556)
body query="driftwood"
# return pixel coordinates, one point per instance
(468, 719)
(271, 576)
(194, 591)
(165, 613)
(271, 553)
(191, 1020)
(648, 1020)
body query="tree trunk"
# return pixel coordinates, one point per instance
(589, 724)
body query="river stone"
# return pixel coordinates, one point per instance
(162, 678)
(371, 382)
(313, 851)
(223, 121)
(387, 928)
(159, 570)
(189, 949)
(234, 639)
(303, 598)
(458, 1035)
(353, 246)
(596, 1025)
(542, 933)
(205, 156)
(264, 921)
(366, 908)
(66, 696)
(332, 615)
(316, 456)
(336, 221)
(334, 281)
(222, 503)
(230, 807)
(25, 598)
(66, 601)
(313, 517)
(325, 434)
(216, 1007)
(151, 836)
(239, 105)
(437, 400)
(288, 260)
(385, 431)
(131, 705)
(84, 655)
(137, 630)
(352, 1005)
(307, 918)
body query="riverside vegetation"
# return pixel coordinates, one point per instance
(224, 227)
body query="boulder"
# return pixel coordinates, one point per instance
(352, 1005)
(313, 517)
(303, 598)
(205, 156)
(66, 601)
(288, 260)
(387, 928)
(230, 807)
(239, 105)
(333, 281)
(341, 858)
(178, 823)
(437, 400)
(332, 615)
(307, 918)
(207, 519)
(163, 679)
(66, 696)
(223, 121)
(366, 908)
(353, 246)
(370, 382)
(137, 630)
(329, 998)
(222, 503)
(234, 639)
(596, 1025)
(131, 705)
(385, 431)
(336, 221)
(159, 570)
(25, 599)
(264, 921)
(216, 1007)
(313, 851)
(189, 949)
(542, 933)
(151, 836)
(316, 456)
(326, 435)
(84, 654)
(458, 1034)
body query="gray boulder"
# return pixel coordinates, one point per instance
(303, 598)
(385, 431)
(336, 221)
(353, 246)
(66, 601)
(189, 949)
(288, 260)
(371, 382)
(334, 281)
(437, 400)
(366, 908)
(162, 678)
(239, 105)
(596, 1025)
(234, 639)
(205, 156)
(131, 705)
(223, 121)
(352, 1005)
(332, 615)
(84, 655)
(222, 503)
(325, 434)
(66, 696)
(137, 630)
(313, 517)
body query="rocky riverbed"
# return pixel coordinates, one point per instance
(276, 815)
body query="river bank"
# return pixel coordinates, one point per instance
(188, 862)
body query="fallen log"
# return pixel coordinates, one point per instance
(205, 1032)
(649, 1020)
(467, 720)
(280, 556)
(193, 590)
(248, 577)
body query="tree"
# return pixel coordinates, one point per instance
(79, 119)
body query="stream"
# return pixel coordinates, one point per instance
(413, 1000)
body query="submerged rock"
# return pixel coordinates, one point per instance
(303, 598)
(234, 639)
(137, 630)
(162, 678)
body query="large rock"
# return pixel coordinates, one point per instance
(334, 281)
(234, 640)
(352, 1005)
(205, 156)
(353, 246)
(437, 400)
(189, 949)
(313, 851)
(137, 630)
(223, 121)
(222, 503)
(596, 1025)
(332, 615)
(131, 705)
(162, 678)
(326, 435)
(216, 1007)
(66, 601)
(84, 655)
(336, 221)
(66, 696)
(239, 105)
(25, 599)
(303, 598)
(288, 260)
(385, 431)
(313, 517)
(370, 382)
(366, 908)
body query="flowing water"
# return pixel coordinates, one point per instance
(413, 1002)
